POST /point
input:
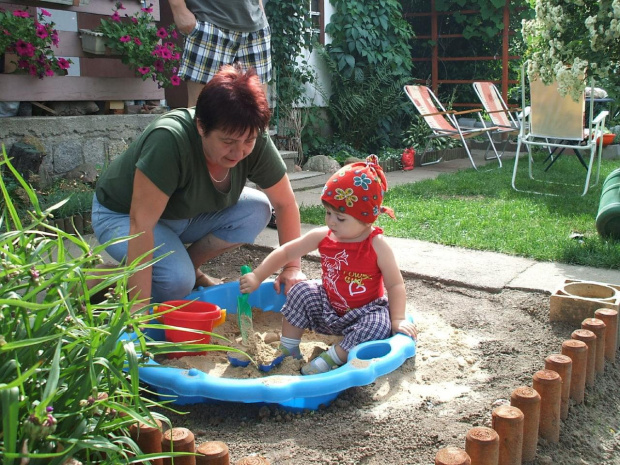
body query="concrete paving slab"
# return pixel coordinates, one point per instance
(549, 277)
(488, 271)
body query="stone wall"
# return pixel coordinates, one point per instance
(70, 141)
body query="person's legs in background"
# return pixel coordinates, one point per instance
(207, 48)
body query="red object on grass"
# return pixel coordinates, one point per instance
(608, 138)
(408, 159)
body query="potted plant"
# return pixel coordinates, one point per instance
(145, 48)
(28, 40)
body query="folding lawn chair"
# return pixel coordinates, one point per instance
(557, 122)
(506, 121)
(444, 123)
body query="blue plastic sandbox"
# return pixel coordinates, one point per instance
(366, 363)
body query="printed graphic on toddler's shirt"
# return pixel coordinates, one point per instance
(356, 282)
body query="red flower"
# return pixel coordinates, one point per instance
(162, 33)
(63, 63)
(41, 31)
(175, 80)
(24, 49)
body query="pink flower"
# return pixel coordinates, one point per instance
(148, 10)
(24, 49)
(63, 63)
(174, 33)
(21, 14)
(116, 17)
(137, 41)
(44, 12)
(125, 39)
(134, 20)
(120, 6)
(41, 31)
(175, 80)
(159, 66)
(144, 70)
(32, 70)
(55, 37)
(49, 72)
(162, 33)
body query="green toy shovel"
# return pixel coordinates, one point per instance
(244, 312)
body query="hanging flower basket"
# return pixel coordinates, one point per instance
(94, 42)
(68, 2)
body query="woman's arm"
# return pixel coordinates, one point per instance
(147, 206)
(395, 287)
(184, 19)
(283, 201)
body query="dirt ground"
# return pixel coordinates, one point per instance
(474, 349)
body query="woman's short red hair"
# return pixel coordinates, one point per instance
(233, 101)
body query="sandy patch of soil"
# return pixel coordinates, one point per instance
(474, 349)
(262, 348)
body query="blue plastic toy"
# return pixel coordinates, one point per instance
(366, 362)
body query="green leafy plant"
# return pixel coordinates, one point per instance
(291, 39)
(368, 34)
(592, 48)
(370, 60)
(143, 46)
(418, 136)
(69, 382)
(31, 40)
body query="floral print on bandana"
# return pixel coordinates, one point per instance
(347, 195)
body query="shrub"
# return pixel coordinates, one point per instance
(69, 383)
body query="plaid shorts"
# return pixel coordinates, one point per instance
(207, 48)
(307, 307)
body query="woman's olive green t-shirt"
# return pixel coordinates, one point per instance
(169, 152)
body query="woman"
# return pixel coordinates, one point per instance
(183, 182)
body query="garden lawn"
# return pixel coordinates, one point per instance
(480, 210)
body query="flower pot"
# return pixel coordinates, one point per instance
(94, 42)
(608, 139)
(68, 2)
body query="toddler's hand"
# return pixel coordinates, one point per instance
(406, 327)
(248, 283)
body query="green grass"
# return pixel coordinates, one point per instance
(481, 211)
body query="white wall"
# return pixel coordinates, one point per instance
(317, 97)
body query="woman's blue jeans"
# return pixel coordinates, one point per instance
(174, 276)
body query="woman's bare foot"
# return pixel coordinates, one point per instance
(203, 280)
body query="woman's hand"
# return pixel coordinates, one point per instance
(406, 327)
(289, 276)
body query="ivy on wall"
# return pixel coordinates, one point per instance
(370, 60)
(290, 37)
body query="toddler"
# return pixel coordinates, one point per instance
(358, 266)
